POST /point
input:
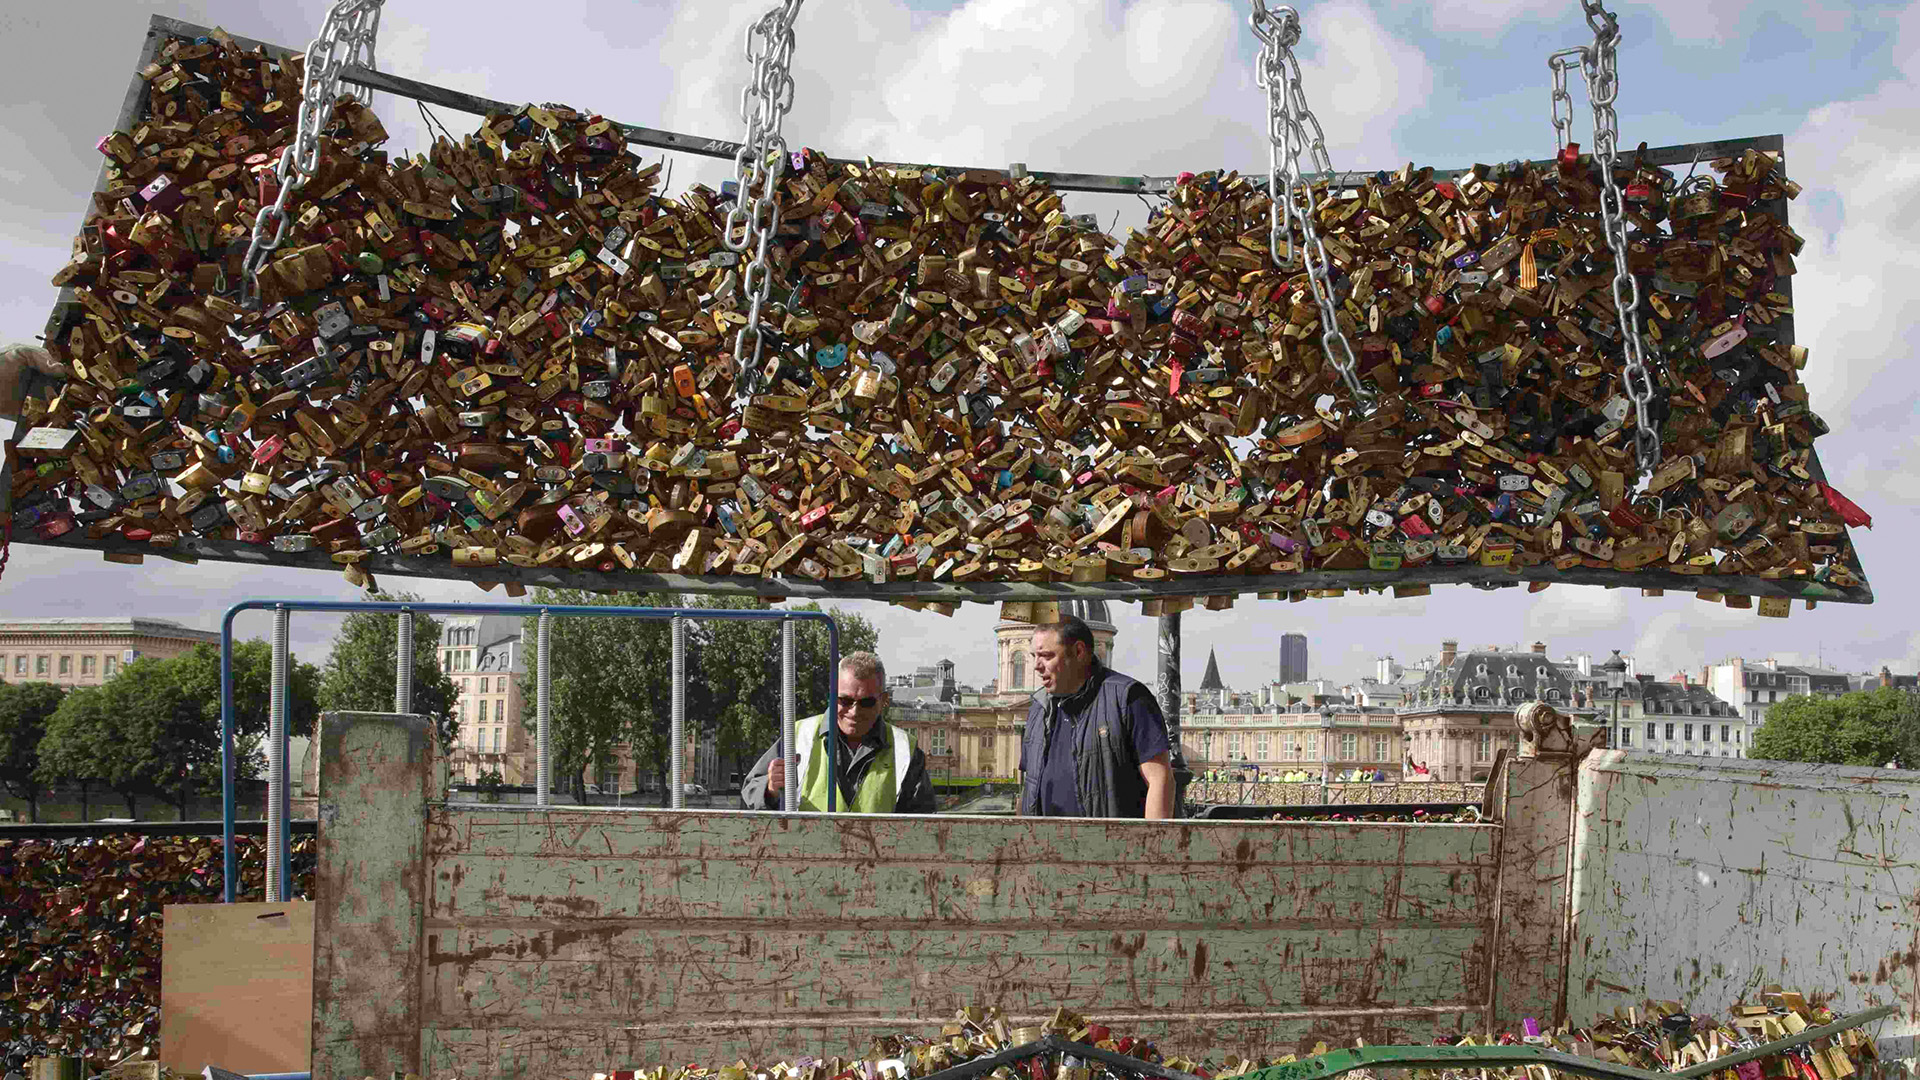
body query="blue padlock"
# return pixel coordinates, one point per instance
(831, 356)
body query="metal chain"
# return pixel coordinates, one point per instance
(1601, 66)
(759, 165)
(1289, 120)
(347, 37)
(1559, 63)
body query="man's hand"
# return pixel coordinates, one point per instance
(776, 776)
(15, 360)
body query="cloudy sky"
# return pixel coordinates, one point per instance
(1132, 86)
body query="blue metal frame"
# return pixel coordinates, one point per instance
(396, 607)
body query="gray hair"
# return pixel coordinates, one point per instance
(864, 665)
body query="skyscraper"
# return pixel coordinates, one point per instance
(1293, 658)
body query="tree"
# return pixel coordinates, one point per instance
(360, 671)
(198, 673)
(139, 734)
(611, 683)
(1867, 727)
(24, 711)
(740, 671)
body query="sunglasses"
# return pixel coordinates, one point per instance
(863, 703)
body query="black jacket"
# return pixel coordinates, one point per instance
(1106, 771)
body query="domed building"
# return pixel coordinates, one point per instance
(1015, 669)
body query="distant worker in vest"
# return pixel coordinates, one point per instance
(1096, 745)
(881, 771)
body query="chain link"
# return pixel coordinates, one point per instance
(759, 165)
(1559, 63)
(1292, 129)
(346, 38)
(1601, 67)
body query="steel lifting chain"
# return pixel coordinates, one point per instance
(759, 165)
(346, 38)
(1600, 64)
(1289, 122)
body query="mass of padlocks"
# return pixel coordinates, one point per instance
(1655, 1036)
(513, 351)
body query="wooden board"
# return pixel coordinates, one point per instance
(236, 987)
(563, 942)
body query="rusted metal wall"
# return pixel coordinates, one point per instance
(1530, 930)
(561, 942)
(375, 774)
(1704, 879)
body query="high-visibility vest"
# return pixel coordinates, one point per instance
(879, 789)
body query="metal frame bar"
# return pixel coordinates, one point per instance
(947, 592)
(544, 612)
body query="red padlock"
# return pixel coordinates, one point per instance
(1568, 159)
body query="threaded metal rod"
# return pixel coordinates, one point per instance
(277, 761)
(676, 751)
(403, 665)
(543, 706)
(790, 793)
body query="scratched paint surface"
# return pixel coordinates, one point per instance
(1703, 880)
(563, 942)
(373, 774)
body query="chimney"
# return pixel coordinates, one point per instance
(1886, 677)
(1539, 648)
(1383, 669)
(1681, 678)
(1772, 664)
(1448, 650)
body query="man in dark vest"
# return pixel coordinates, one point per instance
(881, 771)
(1096, 744)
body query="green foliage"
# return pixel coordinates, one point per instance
(24, 711)
(139, 733)
(613, 678)
(360, 670)
(1867, 727)
(611, 682)
(199, 675)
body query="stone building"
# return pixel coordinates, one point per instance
(1754, 688)
(1463, 711)
(85, 651)
(484, 657)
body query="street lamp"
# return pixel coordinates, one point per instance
(1616, 670)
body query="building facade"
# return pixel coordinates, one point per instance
(1321, 740)
(1754, 688)
(1293, 658)
(483, 655)
(80, 651)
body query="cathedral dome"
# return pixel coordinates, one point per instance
(1091, 612)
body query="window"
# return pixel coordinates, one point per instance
(109, 665)
(1234, 745)
(1706, 732)
(20, 664)
(1290, 746)
(986, 741)
(1669, 732)
(40, 665)
(1349, 746)
(1483, 747)
(1379, 748)
(1649, 732)
(939, 741)
(496, 740)
(500, 685)
(1736, 736)
(1689, 732)
(1262, 746)
(1626, 736)
(1017, 676)
(66, 665)
(86, 665)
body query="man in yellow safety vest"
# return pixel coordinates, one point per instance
(881, 771)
